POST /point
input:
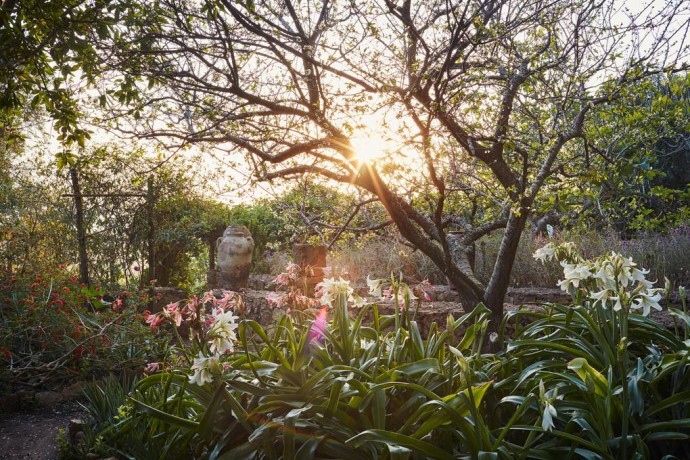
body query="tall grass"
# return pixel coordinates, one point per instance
(665, 255)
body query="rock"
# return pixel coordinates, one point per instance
(48, 398)
(166, 295)
(92, 456)
(10, 403)
(73, 391)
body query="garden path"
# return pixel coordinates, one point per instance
(32, 435)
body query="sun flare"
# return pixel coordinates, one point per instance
(370, 148)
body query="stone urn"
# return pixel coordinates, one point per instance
(235, 250)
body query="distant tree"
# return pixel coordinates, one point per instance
(486, 100)
(639, 156)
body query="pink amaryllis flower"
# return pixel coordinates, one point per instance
(318, 328)
(153, 320)
(152, 368)
(173, 312)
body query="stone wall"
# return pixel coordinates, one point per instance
(435, 311)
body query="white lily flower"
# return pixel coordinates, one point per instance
(573, 274)
(331, 288)
(602, 296)
(375, 286)
(548, 416)
(202, 368)
(549, 411)
(648, 300)
(545, 253)
(618, 306)
(222, 332)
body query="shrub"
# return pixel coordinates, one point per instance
(55, 331)
(595, 379)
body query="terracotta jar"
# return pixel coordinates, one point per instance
(235, 250)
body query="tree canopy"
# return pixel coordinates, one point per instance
(484, 101)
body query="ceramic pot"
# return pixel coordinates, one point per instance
(235, 250)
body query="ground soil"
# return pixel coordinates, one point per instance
(32, 435)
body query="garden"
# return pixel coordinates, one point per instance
(344, 230)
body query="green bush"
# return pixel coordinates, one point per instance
(596, 379)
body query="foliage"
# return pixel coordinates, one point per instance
(594, 379)
(37, 222)
(637, 161)
(44, 45)
(54, 331)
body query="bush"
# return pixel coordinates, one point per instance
(56, 331)
(596, 379)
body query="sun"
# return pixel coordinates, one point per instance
(369, 148)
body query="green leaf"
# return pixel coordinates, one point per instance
(590, 376)
(396, 439)
(209, 418)
(165, 417)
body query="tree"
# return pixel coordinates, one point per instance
(486, 99)
(640, 158)
(43, 44)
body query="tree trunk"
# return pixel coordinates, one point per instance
(495, 292)
(151, 233)
(81, 232)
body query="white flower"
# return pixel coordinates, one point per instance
(331, 288)
(602, 296)
(374, 286)
(547, 417)
(202, 368)
(618, 306)
(625, 269)
(222, 332)
(549, 411)
(545, 253)
(573, 274)
(648, 300)
(605, 276)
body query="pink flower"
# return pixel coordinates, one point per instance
(152, 368)
(228, 300)
(153, 320)
(173, 312)
(277, 300)
(118, 305)
(191, 310)
(318, 328)
(282, 280)
(209, 297)
(424, 288)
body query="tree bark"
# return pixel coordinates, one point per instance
(81, 232)
(495, 292)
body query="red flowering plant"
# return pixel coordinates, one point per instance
(55, 330)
